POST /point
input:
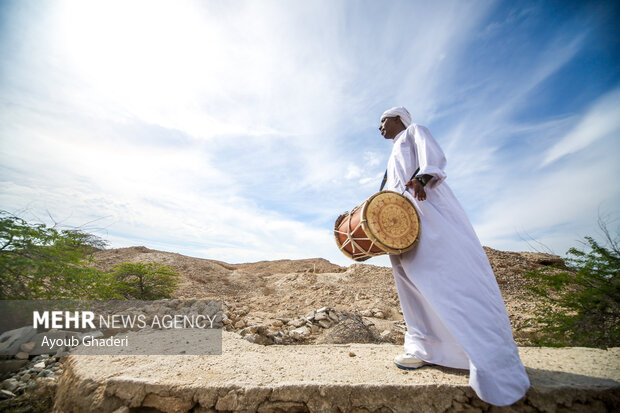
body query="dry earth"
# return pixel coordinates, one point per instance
(264, 292)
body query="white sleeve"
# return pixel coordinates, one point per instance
(403, 161)
(431, 158)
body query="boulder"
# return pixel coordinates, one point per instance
(11, 341)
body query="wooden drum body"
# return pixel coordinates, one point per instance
(386, 223)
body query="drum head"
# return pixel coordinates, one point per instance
(392, 219)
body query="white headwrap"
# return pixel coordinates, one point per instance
(405, 117)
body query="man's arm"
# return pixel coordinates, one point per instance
(431, 158)
(417, 184)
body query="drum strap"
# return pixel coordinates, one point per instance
(385, 178)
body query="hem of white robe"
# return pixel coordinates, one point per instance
(502, 387)
(498, 391)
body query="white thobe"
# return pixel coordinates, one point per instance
(449, 296)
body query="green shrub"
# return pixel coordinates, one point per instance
(40, 262)
(145, 281)
(581, 304)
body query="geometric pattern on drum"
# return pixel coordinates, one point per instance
(352, 242)
(393, 220)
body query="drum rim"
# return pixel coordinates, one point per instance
(372, 236)
(336, 227)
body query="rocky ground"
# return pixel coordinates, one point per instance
(289, 293)
(32, 385)
(309, 301)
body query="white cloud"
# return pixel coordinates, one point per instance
(556, 207)
(353, 171)
(373, 158)
(601, 121)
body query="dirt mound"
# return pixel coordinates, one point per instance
(312, 265)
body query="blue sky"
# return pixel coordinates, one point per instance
(239, 131)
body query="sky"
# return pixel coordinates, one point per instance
(239, 131)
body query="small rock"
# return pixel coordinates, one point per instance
(352, 354)
(321, 316)
(277, 323)
(39, 365)
(245, 331)
(240, 324)
(264, 340)
(333, 315)
(27, 347)
(10, 384)
(5, 394)
(385, 334)
(300, 333)
(45, 373)
(298, 322)
(325, 323)
(379, 314)
(309, 315)
(366, 313)
(22, 355)
(322, 309)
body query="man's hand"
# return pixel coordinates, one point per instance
(418, 189)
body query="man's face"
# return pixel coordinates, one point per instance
(391, 127)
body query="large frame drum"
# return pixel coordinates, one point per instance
(386, 223)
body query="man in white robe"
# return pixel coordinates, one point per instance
(449, 296)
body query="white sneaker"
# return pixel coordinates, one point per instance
(408, 361)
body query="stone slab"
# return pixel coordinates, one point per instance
(326, 378)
